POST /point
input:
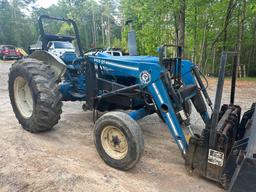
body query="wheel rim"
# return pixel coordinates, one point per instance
(23, 97)
(114, 142)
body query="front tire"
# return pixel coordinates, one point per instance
(119, 140)
(34, 95)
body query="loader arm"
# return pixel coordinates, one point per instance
(149, 76)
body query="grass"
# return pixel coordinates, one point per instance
(244, 78)
(239, 79)
(9, 61)
(247, 79)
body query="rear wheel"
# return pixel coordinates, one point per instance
(34, 95)
(23, 97)
(119, 140)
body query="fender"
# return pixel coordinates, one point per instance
(57, 65)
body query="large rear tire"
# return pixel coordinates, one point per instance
(119, 140)
(34, 95)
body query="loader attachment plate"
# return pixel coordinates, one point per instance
(231, 163)
(244, 177)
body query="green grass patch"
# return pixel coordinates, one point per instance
(6, 62)
(247, 79)
(241, 79)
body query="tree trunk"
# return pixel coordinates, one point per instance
(94, 27)
(195, 36)
(213, 61)
(182, 23)
(176, 26)
(109, 34)
(203, 45)
(231, 6)
(240, 37)
(253, 60)
(102, 30)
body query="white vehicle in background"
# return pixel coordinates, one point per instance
(114, 53)
(58, 48)
(94, 51)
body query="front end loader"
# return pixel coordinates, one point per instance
(225, 151)
(138, 86)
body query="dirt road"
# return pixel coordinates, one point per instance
(65, 158)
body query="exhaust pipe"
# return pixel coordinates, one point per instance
(132, 44)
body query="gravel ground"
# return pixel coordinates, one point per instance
(65, 158)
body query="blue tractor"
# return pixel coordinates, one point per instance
(128, 88)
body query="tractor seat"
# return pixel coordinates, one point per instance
(187, 91)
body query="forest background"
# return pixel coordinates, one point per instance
(204, 28)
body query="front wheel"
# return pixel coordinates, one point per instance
(119, 140)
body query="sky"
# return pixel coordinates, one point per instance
(46, 3)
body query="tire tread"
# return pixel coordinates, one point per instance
(48, 102)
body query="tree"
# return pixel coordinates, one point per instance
(182, 23)
(200, 26)
(241, 35)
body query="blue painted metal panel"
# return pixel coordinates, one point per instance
(161, 97)
(186, 73)
(138, 114)
(135, 66)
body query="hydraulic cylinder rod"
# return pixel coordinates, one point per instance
(201, 84)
